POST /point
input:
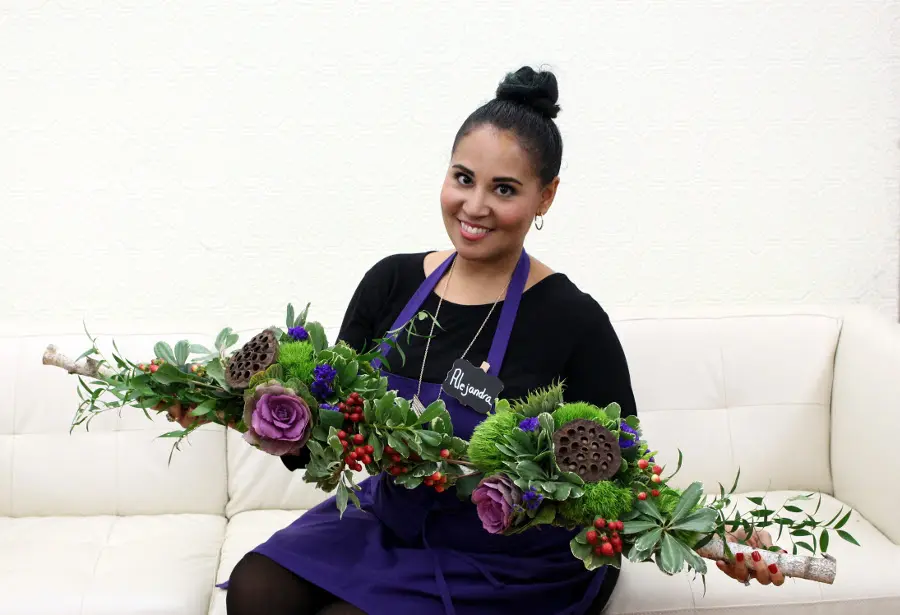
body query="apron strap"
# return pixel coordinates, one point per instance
(508, 314)
(413, 305)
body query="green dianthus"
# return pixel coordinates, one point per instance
(483, 450)
(298, 360)
(578, 410)
(604, 499)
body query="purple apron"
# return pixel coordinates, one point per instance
(419, 551)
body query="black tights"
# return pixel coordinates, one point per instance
(259, 585)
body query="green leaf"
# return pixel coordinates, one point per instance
(636, 527)
(204, 408)
(317, 336)
(702, 520)
(289, 321)
(633, 422)
(168, 374)
(844, 520)
(580, 550)
(648, 508)
(182, 352)
(546, 422)
(466, 485)
(670, 554)
(335, 443)
(398, 445)
(562, 491)
(330, 418)
(613, 412)
(384, 406)
(573, 478)
(823, 541)
(793, 509)
(431, 438)
(530, 470)
(690, 556)
(848, 537)
(164, 351)
(648, 541)
(300, 321)
(806, 546)
(736, 479)
(433, 410)
(342, 497)
(688, 500)
(757, 500)
(349, 373)
(215, 371)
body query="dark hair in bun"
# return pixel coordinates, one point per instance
(525, 104)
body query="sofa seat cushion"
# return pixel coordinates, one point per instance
(244, 532)
(865, 584)
(101, 565)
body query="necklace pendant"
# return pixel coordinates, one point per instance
(417, 405)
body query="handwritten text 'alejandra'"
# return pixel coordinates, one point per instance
(457, 383)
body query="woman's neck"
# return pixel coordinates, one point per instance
(478, 282)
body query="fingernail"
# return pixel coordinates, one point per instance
(773, 568)
(783, 551)
(739, 557)
(755, 555)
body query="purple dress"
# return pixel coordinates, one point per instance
(420, 552)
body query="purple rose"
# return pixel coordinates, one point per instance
(278, 421)
(496, 499)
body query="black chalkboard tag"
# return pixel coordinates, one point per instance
(472, 387)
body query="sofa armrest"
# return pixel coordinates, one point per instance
(865, 417)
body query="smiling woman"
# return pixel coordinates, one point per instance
(423, 550)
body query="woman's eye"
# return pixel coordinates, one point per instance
(463, 179)
(505, 190)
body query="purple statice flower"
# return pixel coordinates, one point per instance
(328, 407)
(323, 379)
(626, 442)
(298, 333)
(532, 499)
(530, 424)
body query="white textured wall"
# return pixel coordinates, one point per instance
(198, 164)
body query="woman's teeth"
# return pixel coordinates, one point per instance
(474, 230)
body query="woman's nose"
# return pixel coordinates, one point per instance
(475, 204)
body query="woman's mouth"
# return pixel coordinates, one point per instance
(471, 232)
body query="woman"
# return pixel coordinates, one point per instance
(419, 551)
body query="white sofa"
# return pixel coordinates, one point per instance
(801, 399)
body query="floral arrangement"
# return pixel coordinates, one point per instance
(532, 462)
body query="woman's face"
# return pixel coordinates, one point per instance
(491, 195)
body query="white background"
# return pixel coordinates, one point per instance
(191, 165)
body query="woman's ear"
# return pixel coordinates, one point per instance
(548, 193)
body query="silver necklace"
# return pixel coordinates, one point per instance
(417, 404)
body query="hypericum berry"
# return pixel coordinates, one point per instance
(643, 464)
(436, 476)
(346, 416)
(642, 495)
(607, 549)
(342, 435)
(356, 467)
(600, 523)
(428, 482)
(370, 449)
(395, 470)
(617, 547)
(142, 367)
(366, 459)
(388, 449)
(153, 368)
(445, 453)
(604, 538)
(355, 418)
(655, 493)
(657, 470)
(404, 469)
(344, 443)
(396, 458)
(655, 478)
(354, 455)
(358, 439)
(591, 537)
(598, 550)
(439, 488)
(194, 368)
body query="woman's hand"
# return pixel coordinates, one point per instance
(182, 415)
(763, 573)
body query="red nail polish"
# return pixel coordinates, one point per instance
(773, 568)
(739, 557)
(756, 556)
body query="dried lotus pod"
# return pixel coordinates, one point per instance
(588, 449)
(254, 356)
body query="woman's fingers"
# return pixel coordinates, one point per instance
(761, 569)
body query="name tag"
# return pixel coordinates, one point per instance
(472, 386)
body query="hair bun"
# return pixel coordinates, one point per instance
(537, 90)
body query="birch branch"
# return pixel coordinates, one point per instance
(90, 367)
(819, 569)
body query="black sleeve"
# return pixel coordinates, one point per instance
(358, 327)
(597, 370)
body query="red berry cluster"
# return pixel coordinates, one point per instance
(154, 365)
(352, 408)
(360, 454)
(605, 537)
(436, 480)
(655, 472)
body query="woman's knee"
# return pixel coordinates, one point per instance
(259, 585)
